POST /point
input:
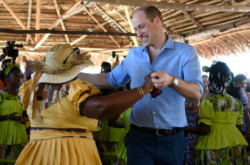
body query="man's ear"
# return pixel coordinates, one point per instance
(158, 21)
(235, 83)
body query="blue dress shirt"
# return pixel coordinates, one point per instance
(166, 110)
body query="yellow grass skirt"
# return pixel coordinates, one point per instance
(63, 151)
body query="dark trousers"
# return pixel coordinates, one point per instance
(150, 149)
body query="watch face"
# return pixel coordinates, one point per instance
(175, 82)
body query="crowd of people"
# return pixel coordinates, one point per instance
(155, 108)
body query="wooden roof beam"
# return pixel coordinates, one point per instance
(65, 32)
(130, 24)
(121, 15)
(123, 19)
(223, 35)
(177, 12)
(167, 29)
(106, 49)
(105, 30)
(177, 6)
(200, 27)
(45, 36)
(212, 38)
(116, 23)
(61, 21)
(84, 36)
(17, 19)
(29, 19)
(220, 29)
(38, 17)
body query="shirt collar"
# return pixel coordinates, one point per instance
(168, 45)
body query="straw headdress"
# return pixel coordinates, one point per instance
(61, 64)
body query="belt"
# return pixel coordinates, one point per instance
(158, 132)
(77, 130)
(61, 137)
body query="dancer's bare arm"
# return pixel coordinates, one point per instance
(99, 80)
(107, 107)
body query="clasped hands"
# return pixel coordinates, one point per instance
(161, 79)
(155, 81)
(12, 116)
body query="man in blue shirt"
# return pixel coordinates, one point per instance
(156, 135)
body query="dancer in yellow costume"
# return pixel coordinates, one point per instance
(63, 110)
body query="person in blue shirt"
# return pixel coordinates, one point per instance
(155, 135)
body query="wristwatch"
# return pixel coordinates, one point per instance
(175, 82)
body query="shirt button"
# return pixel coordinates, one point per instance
(147, 58)
(156, 126)
(154, 113)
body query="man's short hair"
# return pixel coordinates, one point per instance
(151, 12)
(106, 64)
(106, 67)
(239, 77)
(204, 76)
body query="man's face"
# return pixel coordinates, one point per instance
(145, 29)
(242, 84)
(205, 82)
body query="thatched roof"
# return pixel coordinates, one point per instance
(214, 27)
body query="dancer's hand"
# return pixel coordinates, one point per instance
(23, 120)
(14, 117)
(148, 85)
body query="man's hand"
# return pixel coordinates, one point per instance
(162, 79)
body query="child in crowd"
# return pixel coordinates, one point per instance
(220, 142)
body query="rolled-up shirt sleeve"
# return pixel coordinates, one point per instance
(119, 76)
(192, 70)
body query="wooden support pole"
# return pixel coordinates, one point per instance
(17, 19)
(29, 19)
(112, 38)
(38, 17)
(131, 25)
(177, 6)
(45, 36)
(61, 21)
